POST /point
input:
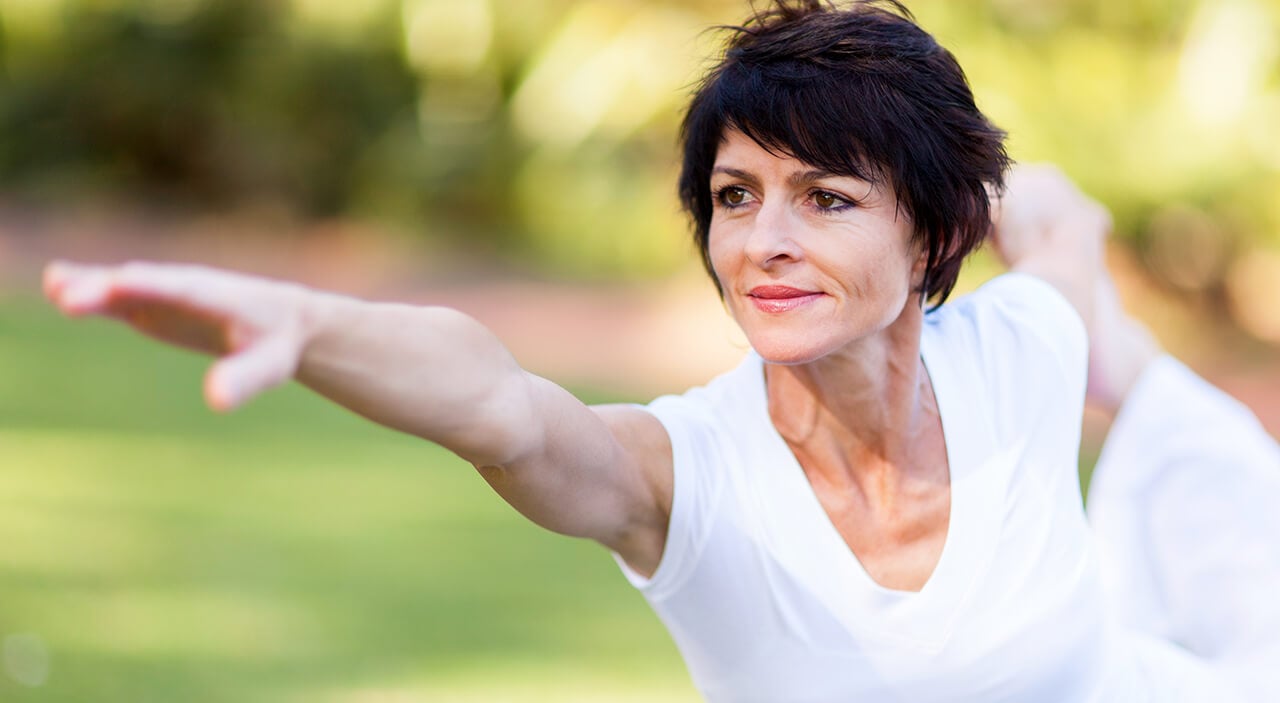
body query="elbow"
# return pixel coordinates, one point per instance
(500, 428)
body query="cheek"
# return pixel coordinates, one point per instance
(901, 261)
(720, 255)
(880, 276)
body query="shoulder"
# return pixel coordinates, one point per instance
(674, 422)
(701, 433)
(1020, 347)
(704, 424)
(1018, 323)
(712, 408)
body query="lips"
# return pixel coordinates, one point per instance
(781, 298)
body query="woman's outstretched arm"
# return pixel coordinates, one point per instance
(603, 473)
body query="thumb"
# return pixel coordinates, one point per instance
(235, 379)
(995, 201)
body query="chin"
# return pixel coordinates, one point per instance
(788, 352)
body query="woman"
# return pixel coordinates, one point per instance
(881, 502)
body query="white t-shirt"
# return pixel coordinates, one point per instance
(767, 603)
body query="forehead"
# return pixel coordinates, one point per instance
(739, 150)
(739, 155)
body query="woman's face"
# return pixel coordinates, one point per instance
(810, 262)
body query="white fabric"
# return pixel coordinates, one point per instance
(1185, 502)
(766, 602)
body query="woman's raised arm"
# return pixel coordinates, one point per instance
(1047, 227)
(602, 473)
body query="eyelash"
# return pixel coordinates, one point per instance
(719, 197)
(842, 203)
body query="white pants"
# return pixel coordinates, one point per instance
(1185, 504)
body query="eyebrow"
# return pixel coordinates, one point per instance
(795, 179)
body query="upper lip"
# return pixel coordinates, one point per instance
(773, 292)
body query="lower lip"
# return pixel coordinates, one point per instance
(783, 304)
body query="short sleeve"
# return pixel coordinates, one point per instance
(696, 488)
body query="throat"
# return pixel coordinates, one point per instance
(880, 408)
(892, 509)
(868, 435)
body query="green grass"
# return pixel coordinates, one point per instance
(155, 551)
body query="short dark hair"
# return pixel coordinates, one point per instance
(857, 90)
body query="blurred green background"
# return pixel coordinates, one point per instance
(150, 551)
(542, 130)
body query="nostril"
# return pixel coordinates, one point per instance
(769, 247)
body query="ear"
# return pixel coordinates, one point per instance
(920, 266)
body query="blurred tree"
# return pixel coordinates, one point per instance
(546, 128)
(207, 108)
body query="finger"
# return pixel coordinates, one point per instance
(186, 285)
(54, 278)
(235, 379)
(80, 289)
(82, 292)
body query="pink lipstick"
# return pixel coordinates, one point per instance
(781, 298)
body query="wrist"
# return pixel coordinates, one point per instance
(318, 314)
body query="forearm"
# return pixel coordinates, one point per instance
(429, 371)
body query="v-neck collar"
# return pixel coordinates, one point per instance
(802, 539)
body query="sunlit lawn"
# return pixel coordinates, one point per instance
(153, 551)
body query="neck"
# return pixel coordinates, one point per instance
(871, 398)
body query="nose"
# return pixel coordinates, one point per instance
(772, 240)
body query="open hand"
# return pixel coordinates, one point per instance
(255, 326)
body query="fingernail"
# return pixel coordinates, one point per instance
(217, 393)
(83, 296)
(54, 275)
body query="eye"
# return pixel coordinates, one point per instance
(826, 200)
(732, 196)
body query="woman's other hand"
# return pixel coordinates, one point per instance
(1046, 226)
(255, 326)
